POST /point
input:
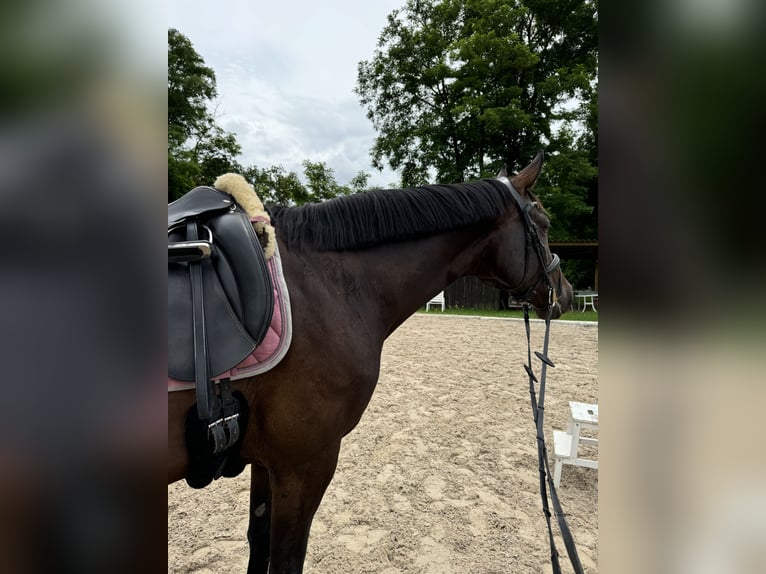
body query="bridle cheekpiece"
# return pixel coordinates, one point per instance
(534, 239)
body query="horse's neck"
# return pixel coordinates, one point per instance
(380, 286)
(402, 276)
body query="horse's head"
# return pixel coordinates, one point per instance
(518, 258)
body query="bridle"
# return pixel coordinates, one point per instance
(533, 242)
(538, 404)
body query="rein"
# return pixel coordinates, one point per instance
(538, 404)
(538, 410)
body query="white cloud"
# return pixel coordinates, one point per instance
(286, 72)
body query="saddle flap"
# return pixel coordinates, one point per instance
(227, 341)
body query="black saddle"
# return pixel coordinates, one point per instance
(220, 300)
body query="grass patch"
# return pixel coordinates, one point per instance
(570, 316)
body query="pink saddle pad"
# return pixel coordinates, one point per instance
(276, 343)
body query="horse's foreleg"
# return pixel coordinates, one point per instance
(296, 494)
(258, 532)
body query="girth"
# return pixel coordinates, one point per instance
(220, 301)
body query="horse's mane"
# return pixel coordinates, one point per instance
(382, 215)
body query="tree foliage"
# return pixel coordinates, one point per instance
(459, 87)
(198, 148)
(278, 186)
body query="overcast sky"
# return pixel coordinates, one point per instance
(286, 72)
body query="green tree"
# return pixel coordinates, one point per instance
(198, 149)
(275, 185)
(458, 88)
(565, 187)
(360, 182)
(321, 182)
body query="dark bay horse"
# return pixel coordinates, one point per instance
(357, 267)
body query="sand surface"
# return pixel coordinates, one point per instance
(440, 476)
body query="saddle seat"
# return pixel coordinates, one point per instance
(208, 228)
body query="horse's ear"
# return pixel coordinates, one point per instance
(527, 177)
(503, 172)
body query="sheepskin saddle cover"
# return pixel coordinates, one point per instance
(226, 231)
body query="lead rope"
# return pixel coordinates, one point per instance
(538, 409)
